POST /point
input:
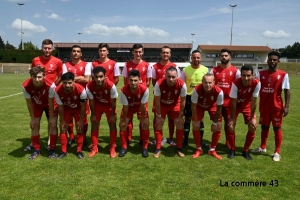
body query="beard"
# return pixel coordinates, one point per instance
(224, 61)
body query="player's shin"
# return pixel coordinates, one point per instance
(63, 142)
(249, 139)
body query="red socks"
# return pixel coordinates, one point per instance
(124, 137)
(249, 139)
(63, 142)
(94, 137)
(278, 140)
(53, 140)
(79, 140)
(215, 139)
(197, 138)
(179, 138)
(264, 137)
(158, 138)
(129, 131)
(145, 138)
(71, 131)
(231, 138)
(35, 139)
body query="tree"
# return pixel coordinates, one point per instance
(291, 51)
(2, 44)
(28, 46)
(9, 46)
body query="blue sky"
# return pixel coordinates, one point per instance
(273, 23)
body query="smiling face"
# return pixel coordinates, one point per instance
(273, 62)
(208, 82)
(165, 54)
(171, 77)
(196, 59)
(137, 53)
(134, 82)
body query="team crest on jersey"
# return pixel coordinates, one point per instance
(143, 69)
(249, 90)
(80, 68)
(139, 96)
(230, 73)
(217, 73)
(51, 66)
(164, 91)
(263, 77)
(69, 100)
(212, 98)
(75, 97)
(270, 79)
(105, 91)
(278, 77)
(94, 92)
(109, 66)
(129, 97)
(175, 91)
(69, 69)
(130, 68)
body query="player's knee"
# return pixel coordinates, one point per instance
(112, 126)
(263, 127)
(251, 128)
(219, 126)
(276, 128)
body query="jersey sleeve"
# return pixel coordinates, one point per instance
(123, 99)
(157, 90)
(256, 90)
(145, 97)
(113, 92)
(258, 75)
(58, 100)
(195, 96)
(233, 91)
(88, 69)
(52, 91)
(149, 72)
(89, 93)
(153, 73)
(220, 99)
(286, 82)
(83, 94)
(238, 74)
(212, 71)
(25, 93)
(178, 71)
(182, 76)
(116, 70)
(64, 69)
(124, 71)
(183, 91)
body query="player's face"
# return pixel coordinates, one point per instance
(171, 77)
(76, 53)
(208, 83)
(38, 80)
(165, 54)
(246, 77)
(103, 52)
(68, 85)
(196, 59)
(225, 57)
(138, 53)
(273, 62)
(134, 82)
(99, 78)
(47, 50)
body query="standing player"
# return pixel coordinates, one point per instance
(71, 98)
(111, 67)
(192, 76)
(53, 70)
(158, 73)
(39, 94)
(207, 97)
(225, 74)
(244, 92)
(82, 73)
(271, 107)
(134, 98)
(102, 94)
(145, 74)
(169, 95)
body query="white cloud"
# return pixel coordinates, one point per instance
(277, 35)
(224, 10)
(28, 27)
(56, 17)
(37, 15)
(99, 29)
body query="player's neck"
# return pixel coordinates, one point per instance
(76, 61)
(164, 62)
(47, 57)
(133, 90)
(272, 70)
(225, 66)
(38, 86)
(196, 66)
(104, 59)
(137, 61)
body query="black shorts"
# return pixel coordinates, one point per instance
(188, 106)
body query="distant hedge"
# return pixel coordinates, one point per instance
(19, 56)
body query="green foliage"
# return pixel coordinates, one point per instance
(134, 177)
(9, 46)
(291, 51)
(20, 56)
(28, 46)
(2, 44)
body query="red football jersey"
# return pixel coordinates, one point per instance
(134, 99)
(170, 96)
(53, 67)
(159, 70)
(70, 100)
(77, 69)
(245, 94)
(38, 95)
(207, 101)
(224, 79)
(112, 69)
(142, 67)
(270, 93)
(101, 96)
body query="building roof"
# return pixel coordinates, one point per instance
(124, 45)
(234, 48)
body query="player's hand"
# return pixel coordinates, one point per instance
(113, 118)
(196, 125)
(52, 122)
(93, 118)
(252, 123)
(179, 120)
(145, 123)
(214, 128)
(80, 125)
(285, 111)
(34, 122)
(122, 123)
(231, 125)
(159, 120)
(63, 125)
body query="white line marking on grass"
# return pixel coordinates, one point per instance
(11, 95)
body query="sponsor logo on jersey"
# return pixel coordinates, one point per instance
(268, 90)
(36, 100)
(75, 97)
(105, 91)
(176, 91)
(167, 101)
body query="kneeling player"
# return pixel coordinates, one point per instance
(170, 95)
(207, 97)
(244, 92)
(71, 99)
(134, 98)
(39, 94)
(102, 94)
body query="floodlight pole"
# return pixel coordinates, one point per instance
(79, 33)
(192, 34)
(22, 43)
(232, 5)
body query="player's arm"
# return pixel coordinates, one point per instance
(92, 104)
(217, 126)
(51, 96)
(59, 73)
(233, 99)
(287, 97)
(116, 74)
(153, 81)
(83, 97)
(125, 75)
(218, 114)
(27, 96)
(116, 80)
(149, 76)
(194, 100)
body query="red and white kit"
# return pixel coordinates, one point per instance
(143, 67)
(111, 67)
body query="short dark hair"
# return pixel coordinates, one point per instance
(76, 46)
(134, 73)
(98, 69)
(47, 41)
(103, 45)
(226, 50)
(172, 68)
(247, 68)
(196, 51)
(37, 69)
(165, 47)
(68, 76)
(274, 53)
(137, 46)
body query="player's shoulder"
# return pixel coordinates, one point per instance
(59, 88)
(90, 84)
(161, 81)
(280, 71)
(187, 68)
(145, 63)
(27, 82)
(237, 81)
(108, 82)
(55, 59)
(217, 89)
